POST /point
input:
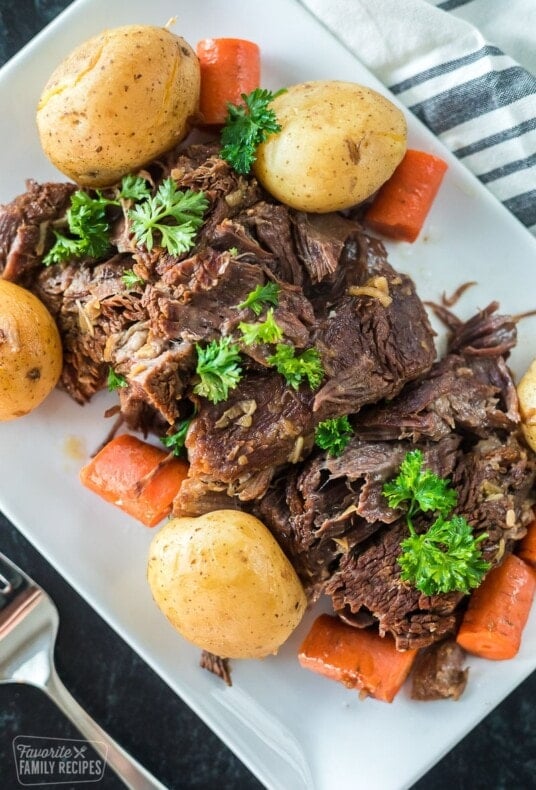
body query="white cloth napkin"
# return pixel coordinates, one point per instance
(465, 68)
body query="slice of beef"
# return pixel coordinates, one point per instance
(472, 395)
(438, 672)
(369, 578)
(197, 497)
(485, 334)
(161, 381)
(90, 304)
(261, 426)
(24, 227)
(230, 233)
(360, 256)
(320, 241)
(494, 481)
(294, 315)
(373, 341)
(271, 224)
(217, 665)
(196, 299)
(138, 415)
(273, 509)
(199, 167)
(341, 496)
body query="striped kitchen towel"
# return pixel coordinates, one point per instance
(447, 61)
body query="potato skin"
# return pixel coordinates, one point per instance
(339, 142)
(118, 101)
(526, 393)
(30, 351)
(224, 584)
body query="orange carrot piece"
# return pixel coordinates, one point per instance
(498, 610)
(358, 657)
(130, 474)
(403, 202)
(527, 546)
(229, 68)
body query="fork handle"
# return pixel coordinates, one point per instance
(129, 771)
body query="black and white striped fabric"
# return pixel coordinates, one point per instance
(434, 57)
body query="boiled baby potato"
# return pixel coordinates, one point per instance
(224, 584)
(118, 101)
(526, 392)
(338, 143)
(30, 351)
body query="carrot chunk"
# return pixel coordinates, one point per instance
(498, 611)
(359, 658)
(229, 68)
(527, 546)
(136, 477)
(403, 202)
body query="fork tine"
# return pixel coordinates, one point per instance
(5, 585)
(12, 580)
(10, 576)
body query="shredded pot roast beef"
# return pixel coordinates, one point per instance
(255, 450)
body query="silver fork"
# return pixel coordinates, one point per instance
(28, 627)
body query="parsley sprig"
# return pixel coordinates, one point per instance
(88, 229)
(170, 218)
(296, 367)
(267, 331)
(134, 188)
(419, 488)
(175, 441)
(218, 368)
(333, 435)
(131, 279)
(447, 556)
(260, 296)
(246, 127)
(115, 380)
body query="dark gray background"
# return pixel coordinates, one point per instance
(140, 711)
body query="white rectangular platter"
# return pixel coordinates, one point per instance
(292, 728)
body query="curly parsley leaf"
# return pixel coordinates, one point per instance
(63, 249)
(170, 218)
(134, 188)
(131, 279)
(420, 488)
(88, 228)
(295, 368)
(333, 435)
(115, 380)
(444, 558)
(260, 296)
(175, 441)
(267, 331)
(246, 127)
(447, 556)
(218, 368)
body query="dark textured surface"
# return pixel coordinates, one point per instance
(138, 709)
